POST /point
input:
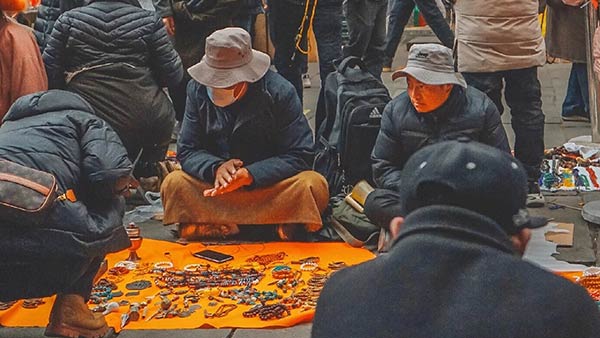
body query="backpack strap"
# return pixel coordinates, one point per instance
(347, 236)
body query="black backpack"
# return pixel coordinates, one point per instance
(353, 102)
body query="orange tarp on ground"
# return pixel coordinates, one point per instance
(153, 251)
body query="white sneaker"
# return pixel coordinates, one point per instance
(306, 83)
(535, 200)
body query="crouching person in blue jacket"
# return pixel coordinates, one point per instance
(56, 132)
(245, 148)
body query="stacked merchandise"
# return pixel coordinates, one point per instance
(570, 167)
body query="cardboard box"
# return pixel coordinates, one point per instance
(564, 235)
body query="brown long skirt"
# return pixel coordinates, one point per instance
(297, 200)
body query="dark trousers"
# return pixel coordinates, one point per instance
(400, 13)
(284, 20)
(246, 20)
(366, 27)
(382, 206)
(524, 97)
(24, 278)
(577, 101)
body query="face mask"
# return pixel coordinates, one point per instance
(223, 97)
(427, 98)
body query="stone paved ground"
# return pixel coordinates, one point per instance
(553, 78)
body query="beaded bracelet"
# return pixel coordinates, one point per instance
(309, 266)
(126, 264)
(193, 268)
(163, 266)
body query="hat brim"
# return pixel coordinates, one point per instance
(223, 78)
(431, 77)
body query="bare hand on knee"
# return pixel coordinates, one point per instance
(225, 172)
(239, 179)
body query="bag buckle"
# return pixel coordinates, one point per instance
(69, 195)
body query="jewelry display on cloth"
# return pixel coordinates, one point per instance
(222, 289)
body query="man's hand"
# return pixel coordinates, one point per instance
(169, 25)
(574, 3)
(241, 178)
(225, 172)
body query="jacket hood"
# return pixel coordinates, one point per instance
(46, 102)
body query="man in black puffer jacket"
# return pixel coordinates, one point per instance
(117, 56)
(438, 106)
(56, 132)
(455, 267)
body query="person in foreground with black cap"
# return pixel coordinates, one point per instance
(437, 106)
(455, 267)
(245, 148)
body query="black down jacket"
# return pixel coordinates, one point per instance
(452, 273)
(467, 113)
(107, 32)
(48, 12)
(266, 129)
(55, 132)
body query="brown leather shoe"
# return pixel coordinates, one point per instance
(70, 317)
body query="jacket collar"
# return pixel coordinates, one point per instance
(135, 3)
(472, 226)
(256, 102)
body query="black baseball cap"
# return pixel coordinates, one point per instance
(471, 175)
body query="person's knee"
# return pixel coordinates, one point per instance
(316, 184)
(312, 179)
(174, 182)
(381, 206)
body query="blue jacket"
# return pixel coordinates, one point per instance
(56, 132)
(106, 32)
(452, 273)
(466, 113)
(266, 129)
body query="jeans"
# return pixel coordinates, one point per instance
(524, 97)
(577, 101)
(400, 13)
(28, 278)
(366, 26)
(284, 20)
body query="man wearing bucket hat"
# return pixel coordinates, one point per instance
(437, 106)
(245, 148)
(455, 267)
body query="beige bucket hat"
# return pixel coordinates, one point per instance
(229, 60)
(431, 64)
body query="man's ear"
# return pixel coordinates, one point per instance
(520, 240)
(395, 226)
